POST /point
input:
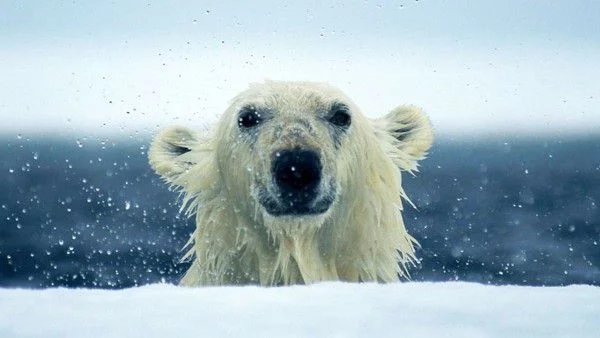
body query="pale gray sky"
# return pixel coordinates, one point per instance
(477, 67)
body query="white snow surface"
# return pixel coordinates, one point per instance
(453, 309)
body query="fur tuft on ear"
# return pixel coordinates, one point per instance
(406, 135)
(173, 152)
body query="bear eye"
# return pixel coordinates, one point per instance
(249, 118)
(340, 115)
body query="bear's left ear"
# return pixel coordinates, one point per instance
(173, 152)
(406, 135)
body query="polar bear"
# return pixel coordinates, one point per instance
(295, 185)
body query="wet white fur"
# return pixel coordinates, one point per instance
(361, 237)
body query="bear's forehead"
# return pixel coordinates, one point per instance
(289, 95)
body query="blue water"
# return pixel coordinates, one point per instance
(91, 213)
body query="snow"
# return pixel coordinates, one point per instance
(453, 309)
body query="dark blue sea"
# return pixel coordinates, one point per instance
(91, 213)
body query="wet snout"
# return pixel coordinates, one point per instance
(297, 174)
(298, 184)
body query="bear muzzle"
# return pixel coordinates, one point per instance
(297, 176)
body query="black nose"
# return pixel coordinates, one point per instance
(297, 173)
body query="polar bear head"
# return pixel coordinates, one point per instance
(291, 156)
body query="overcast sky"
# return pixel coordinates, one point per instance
(477, 67)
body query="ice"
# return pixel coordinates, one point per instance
(452, 309)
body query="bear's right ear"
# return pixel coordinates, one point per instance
(173, 152)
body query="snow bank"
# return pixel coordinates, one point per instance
(326, 310)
